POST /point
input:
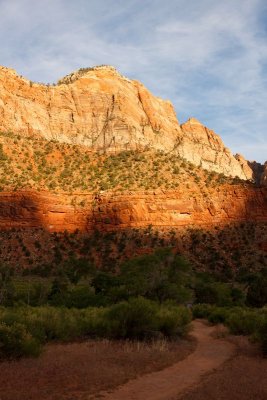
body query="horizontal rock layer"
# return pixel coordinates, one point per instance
(110, 211)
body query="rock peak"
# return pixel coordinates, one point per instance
(193, 121)
(75, 75)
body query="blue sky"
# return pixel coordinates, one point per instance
(209, 57)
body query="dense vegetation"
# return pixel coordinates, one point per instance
(23, 330)
(161, 276)
(130, 304)
(145, 298)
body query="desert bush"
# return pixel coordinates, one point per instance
(135, 319)
(80, 297)
(202, 310)
(24, 329)
(214, 293)
(142, 318)
(45, 323)
(218, 315)
(93, 321)
(174, 320)
(243, 321)
(257, 291)
(16, 341)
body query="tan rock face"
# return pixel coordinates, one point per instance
(108, 112)
(110, 211)
(246, 167)
(101, 109)
(204, 147)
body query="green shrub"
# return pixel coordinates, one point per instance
(140, 318)
(59, 324)
(135, 319)
(243, 322)
(15, 341)
(218, 315)
(24, 329)
(257, 291)
(93, 321)
(174, 320)
(202, 310)
(80, 297)
(213, 293)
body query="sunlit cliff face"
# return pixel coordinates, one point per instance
(108, 211)
(105, 111)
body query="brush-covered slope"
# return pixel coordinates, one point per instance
(107, 112)
(62, 186)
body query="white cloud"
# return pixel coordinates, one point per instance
(208, 57)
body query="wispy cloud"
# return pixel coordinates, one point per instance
(208, 57)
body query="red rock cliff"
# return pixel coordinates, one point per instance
(109, 211)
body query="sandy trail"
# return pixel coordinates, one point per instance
(173, 381)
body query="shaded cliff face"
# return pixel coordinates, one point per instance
(259, 172)
(263, 181)
(108, 112)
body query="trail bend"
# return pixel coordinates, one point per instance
(172, 382)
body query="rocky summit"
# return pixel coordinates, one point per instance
(99, 108)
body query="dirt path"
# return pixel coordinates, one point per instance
(173, 381)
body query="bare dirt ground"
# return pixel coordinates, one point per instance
(209, 355)
(244, 377)
(217, 368)
(76, 371)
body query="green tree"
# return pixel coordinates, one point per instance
(159, 276)
(77, 268)
(257, 291)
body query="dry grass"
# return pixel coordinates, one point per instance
(76, 371)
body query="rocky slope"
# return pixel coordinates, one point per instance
(101, 109)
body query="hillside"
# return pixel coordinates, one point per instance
(73, 202)
(97, 167)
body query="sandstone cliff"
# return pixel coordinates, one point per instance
(204, 147)
(101, 109)
(110, 211)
